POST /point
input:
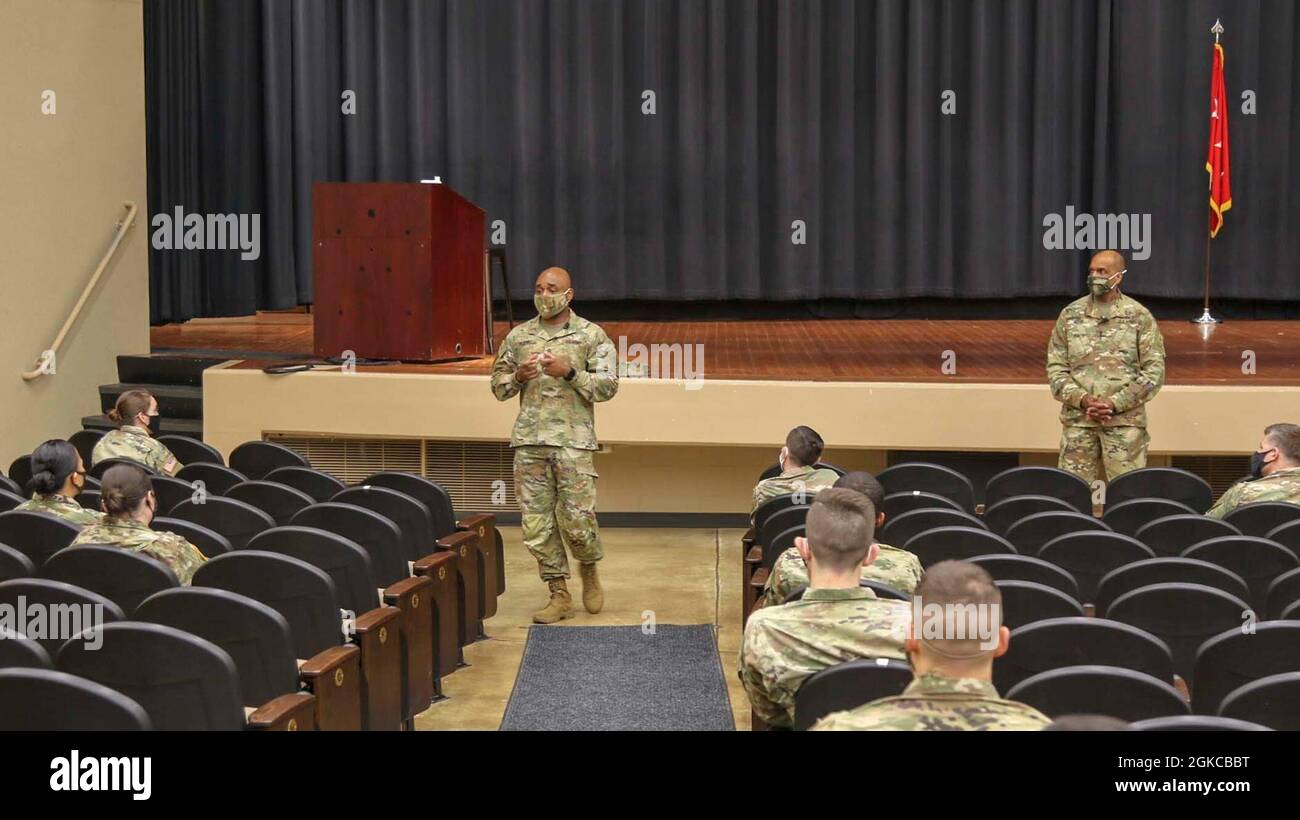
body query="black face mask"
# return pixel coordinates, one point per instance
(1257, 464)
(148, 422)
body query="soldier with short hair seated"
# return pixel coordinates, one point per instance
(799, 473)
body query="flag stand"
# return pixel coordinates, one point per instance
(1206, 318)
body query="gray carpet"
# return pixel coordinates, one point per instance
(617, 678)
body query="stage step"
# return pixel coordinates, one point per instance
(164, 369)
(166, 427)
(175, 401)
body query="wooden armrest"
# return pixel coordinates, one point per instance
(750, 536)
(473, 523)
(483, 526)
(442, 568)
(413, 598)
(377, 633)
(334, 677)
(759, 578)
(295, 712)
(754, 556)
(465, 545)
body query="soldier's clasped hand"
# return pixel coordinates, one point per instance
(529, 370)
(553, 365)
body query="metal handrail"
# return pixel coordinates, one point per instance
(43, 362)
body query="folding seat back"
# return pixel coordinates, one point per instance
(18, 651)
(1089, 556)
(1025, 602)
(1258, 561)
(36, 534)
(846, 685)
(9, 500)
(1273, 701)
(256, 637)
(321, 486)
(183, 682)
(192, 451)
(238, 521)
(89, 500)
(1099, 690)
(45, 700)
(1234, 658)
(1171, 534)
(344, 561)
(374, 533)
(442, 515)
(303, 594)
(170, 492)
(1263, 517)
(124, 577)
(772, 505)
(1030, 533)
(1049, 481)
(208, 542)
(257, 458)
(98, 470)
(1288, 535)
(1167, 571)
(55, 611)
(20, 472)
(930, 478)
(279, 501)
(1055, 643)
(900, 530)
(955, 544)
(1128, 517)
(1160, 482)
(10, 486)
(783, 520)
(216, 478)
(896, 504)
(14, 564)
(410, 515)
(780, 542)
(1000, 515)
(1196, 723)
(85, 441)
(1010, 567)
(1182, 615)
(1282, 593)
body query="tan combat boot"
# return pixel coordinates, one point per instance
(560, 606)
(593, 597)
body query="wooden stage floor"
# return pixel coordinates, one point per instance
(832, 350)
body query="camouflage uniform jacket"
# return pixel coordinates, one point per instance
(1111, 351)
(1279, 485)
(135, 443)
(182, 557)
(935, 703)
(899, 569)
(553, 411)
(63, 507)
(784, 645)
(807, 479)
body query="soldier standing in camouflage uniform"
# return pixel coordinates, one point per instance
(1274, 472)
(897, 568)
(559, 365)
(58, 476)
(129, 504)
(1105, 361)
(953, 688)
(133, 439)
(799, 474)
(835, 621)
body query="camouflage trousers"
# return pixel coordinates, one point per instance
(556, 488)
(1085, 450)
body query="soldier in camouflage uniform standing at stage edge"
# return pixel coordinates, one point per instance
(559, 365)
(1105, 361)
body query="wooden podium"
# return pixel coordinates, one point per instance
(400, 272)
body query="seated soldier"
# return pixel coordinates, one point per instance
(897, 568)
(835, 621)
(126, 494)
(1274, 472)
(134, 414)
(799, 474)
(955, 634)
(58, 476)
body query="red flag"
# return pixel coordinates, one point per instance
(1217, 162)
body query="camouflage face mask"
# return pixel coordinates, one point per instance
(1100, 285)
(550, 305)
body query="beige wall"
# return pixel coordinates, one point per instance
(63, 178)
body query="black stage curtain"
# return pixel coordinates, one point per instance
(767, 112)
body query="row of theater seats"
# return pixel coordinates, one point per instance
(372, 589)
(1190, 607)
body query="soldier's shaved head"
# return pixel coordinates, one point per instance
(1112, 261)
(970, 634)
(553, 280)
(840, 527)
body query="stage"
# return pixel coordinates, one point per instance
(698, 438)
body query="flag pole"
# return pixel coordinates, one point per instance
(1206, 318)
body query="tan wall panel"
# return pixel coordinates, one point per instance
(65, 177)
